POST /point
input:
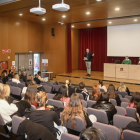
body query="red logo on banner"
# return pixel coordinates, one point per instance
(12, 67)
(5, 51)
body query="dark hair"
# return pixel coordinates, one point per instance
(64, 91)
(10, 71)
(138, 109)
(104, 97)
(81, 85)
(39, 72)
(135, 99)
(5, 71)
(93, 133)
(101, 82)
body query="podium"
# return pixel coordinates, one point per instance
(122, 71)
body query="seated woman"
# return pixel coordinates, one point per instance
(104, 104)
(6, 109)
(74, 109)
(83, 91)
(102, 86)
(95, 93)
(23, 76)
(16, 78)
(29, 80)
(70, 89)
(113, 95)
(123, 88)
(4, 77)
(65, 98)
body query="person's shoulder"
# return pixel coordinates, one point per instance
(133, 124)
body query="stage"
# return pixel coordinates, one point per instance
(78, 76)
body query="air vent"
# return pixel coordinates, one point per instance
(6, 1)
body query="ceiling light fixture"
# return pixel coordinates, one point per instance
(117, 9)
(98, 0)
(135, 20)
(72, 26)
(88, 13)
(110, 22)
(88, 24)
(43, 19)
(63, 16)
(20, 14)
(61, 23)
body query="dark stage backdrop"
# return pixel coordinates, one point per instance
(96, 40)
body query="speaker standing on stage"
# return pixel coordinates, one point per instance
(88, 56)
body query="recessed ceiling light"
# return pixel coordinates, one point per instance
(43, 19)
(72, 26)
(88, 13)
(98, 0)
(88, 24)
(135, 20)
(110, 22)
(117, 9)
(63, 16)
(20, 14)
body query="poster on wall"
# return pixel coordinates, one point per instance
(5, 51)
(12, 67)
(30, 61)
(3, 65)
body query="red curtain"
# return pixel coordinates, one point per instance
(96, 40)
(69, 54)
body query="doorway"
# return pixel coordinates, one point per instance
(29, 62)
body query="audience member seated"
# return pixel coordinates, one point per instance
(23, 76)
(93, 133)
(70, 89)
(113, 95)
(16, 78)
(10, 74)
(104, 104)
(95, 93)
(102, 86)
(74, 109)
(123, 88)
(36, 79)
(6, 109)
(4, 77)
(40, 78)
(29, 80)
(65, 97)
(83, 91)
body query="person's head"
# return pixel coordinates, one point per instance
(138, 112)
(10, 71)
(68, 82)
(41, 99)
(126, 57)
(31, 93)
(81, 85)
(95, 92)
(23, 73)
(87, 50)
(6, 90)
(104, 97)
(122, 87)
(75, 108)
(111, 91)
(30, 78)
(36, 75)
(5, 71)
(39, 73)
(1, 91)
(135, 99)
(3, 75)
(64, 91)
(101, 83)
(16, 76)
(93, 133)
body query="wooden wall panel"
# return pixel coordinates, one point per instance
(75, 48)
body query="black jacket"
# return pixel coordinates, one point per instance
(37, 80)
(4, 80)
(85, 94)
(118, 100)
(10, 75)
(71, 91)
(24, 78)
(107, 107)
(89, 56)
(34, 131)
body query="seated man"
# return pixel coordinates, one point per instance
(36, 79)
(10, 74)
(127, 61)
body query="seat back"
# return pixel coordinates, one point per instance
(47, 88)
(128, 97)
(33, 108)
(131, 135)
(16, 122)
(1, 81)
(84, 103)
(102, 90)
(81, 96)
(125, 100)
(56, 88)
(122, 121)
(66, 136)
(90, 103)
(120, 110)
(124, 104)
(50, 95)
(122, 93)
(14, 84)
(55, 103)
(15, 90)
(80, 125)
(131, 112)
(20, 85)
(8, 83)
(100, 115)
(112, 132)
(113, 101)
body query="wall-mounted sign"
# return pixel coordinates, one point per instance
(45, 64)
(12, 67)
(13, 63)
(5, 51)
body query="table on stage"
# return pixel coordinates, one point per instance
(122, 71)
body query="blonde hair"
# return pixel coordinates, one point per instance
(22, 72)
(122, 87)
(1, 91)
(6, 90)
(75, 108)
(16, 76)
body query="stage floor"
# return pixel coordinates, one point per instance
(78, 76)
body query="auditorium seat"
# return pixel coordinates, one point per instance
(55, 103)
(131, 135)
(125, 100)
(100, 115)
(50, 95)
(56, 88)
(48, 89)
(20, 85)
(8, 83)
(128, 97)
(131, 112)
(113, 101)
(66, 136)
(1, 81)
(15, 90)
(90, 103)
(122, 121)
(14, 84)
(120, 110)
(112, 132)
(102, 90)
(81, 96)
(124, 104)
(84, 103)
(123, 94)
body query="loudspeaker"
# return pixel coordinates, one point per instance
(52, 31)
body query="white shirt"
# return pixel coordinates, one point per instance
(15, 80)
(103, 87)
(6, 110)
